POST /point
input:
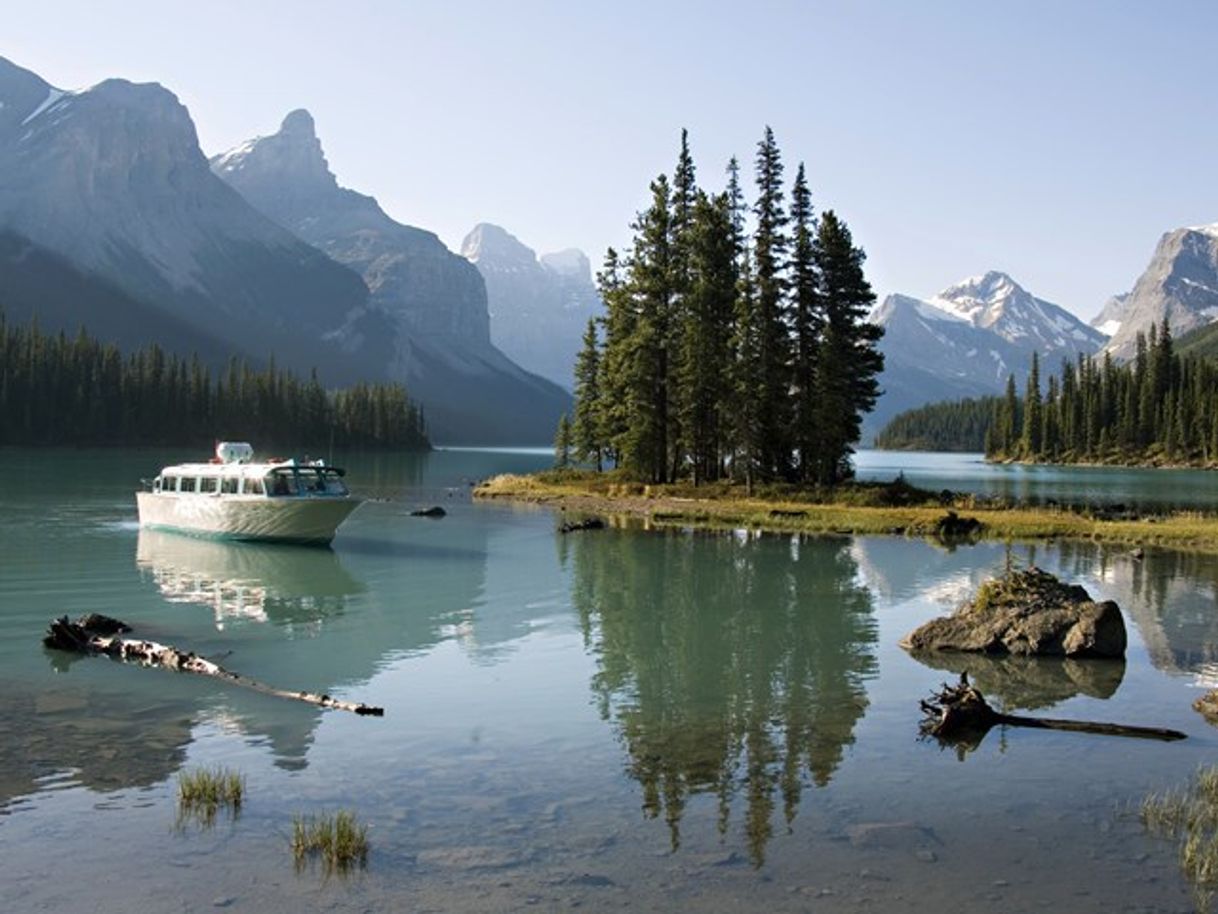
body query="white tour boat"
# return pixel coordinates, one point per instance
(235, 497)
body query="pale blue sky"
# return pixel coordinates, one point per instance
(1053, 140)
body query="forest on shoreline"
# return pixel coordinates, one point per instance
(61, 391)
(1158, 409)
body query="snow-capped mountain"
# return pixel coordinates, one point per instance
(438, 340)
(111, 180)
(967, 340)
(539, 306)
(995, 302)
(1180, 285)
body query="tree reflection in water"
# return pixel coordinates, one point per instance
(730, 664)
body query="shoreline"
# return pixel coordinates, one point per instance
(674, 506)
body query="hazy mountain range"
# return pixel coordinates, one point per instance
(539, 306)
(112, 217)
(430, 305)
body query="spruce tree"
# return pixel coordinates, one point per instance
(562, 443)
(586, 430)
(1029, 445)
(768, 312)
(706, 336)
(848, 360)
(808, 319)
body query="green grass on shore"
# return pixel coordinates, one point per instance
(859, 508)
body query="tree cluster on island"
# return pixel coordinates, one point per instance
(734, 343)
(1159, 408)
(60, 391)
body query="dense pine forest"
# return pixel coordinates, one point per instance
(1161, 408)
(956, 425)
(734, 342)
(56, 390)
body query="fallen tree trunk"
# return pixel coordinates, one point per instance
(959, 715)
(97, 634)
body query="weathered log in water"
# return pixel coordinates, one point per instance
(959, 715)
(97, 634)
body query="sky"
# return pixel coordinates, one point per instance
(1055, 141)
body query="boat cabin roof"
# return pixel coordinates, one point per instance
(250, 469)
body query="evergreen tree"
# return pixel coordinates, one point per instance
(586, 430)
(1030, 443)
(768, 312)
(848, 360)
(562, 443)
(808, 323)
(706, 337)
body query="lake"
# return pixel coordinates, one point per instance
(602, 720)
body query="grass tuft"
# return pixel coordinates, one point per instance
(203, 792)
(339, 840)
(1190, 818)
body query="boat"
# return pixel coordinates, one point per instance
(233, 496)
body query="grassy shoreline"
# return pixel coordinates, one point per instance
(894, 509)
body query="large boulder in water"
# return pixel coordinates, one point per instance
(1027, 612)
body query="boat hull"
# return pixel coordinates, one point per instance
(311, 521)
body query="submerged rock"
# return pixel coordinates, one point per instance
(1027, 612)
(434, 511)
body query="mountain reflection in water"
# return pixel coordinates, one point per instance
(731, 665)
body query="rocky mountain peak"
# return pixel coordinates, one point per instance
(291, 160)
(1179, 285)
(493, 247)
(570, 263)
(298, 124)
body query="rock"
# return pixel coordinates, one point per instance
(952, 526)
(591, 523)
(906, 836)
(1027, 612)
(433, 511)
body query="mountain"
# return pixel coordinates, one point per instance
(539, 306)
(1111, 316)
(967, 340)
(1180, 285)
(437, 339)
(111, 180)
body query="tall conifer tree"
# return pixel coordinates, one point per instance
(772, 331)
(848, 361)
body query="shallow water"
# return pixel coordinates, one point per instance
(604, 719)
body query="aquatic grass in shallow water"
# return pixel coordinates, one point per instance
(203, 792)
(339, 840)
(1190, 817)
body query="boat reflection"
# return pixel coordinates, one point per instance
(729, 665)
(246, 582)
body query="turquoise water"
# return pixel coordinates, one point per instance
(605, 719)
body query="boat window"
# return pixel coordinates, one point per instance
(228, 485)
(188, 484)
(254, 487)
(283, 482)
(156, 484)
(208, 484)
(170, 484)
(334, 483)
(312, 481)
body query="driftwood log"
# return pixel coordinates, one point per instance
(97, 634)
(959, 715)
